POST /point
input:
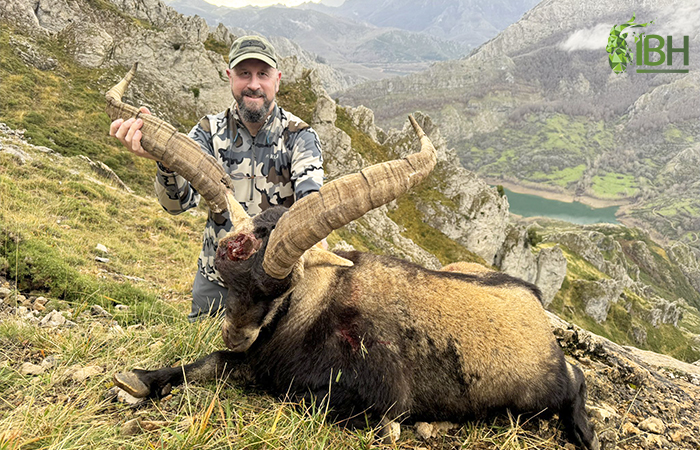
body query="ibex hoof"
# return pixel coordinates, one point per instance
(131, 383)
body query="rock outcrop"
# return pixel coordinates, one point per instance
(170, 50)
(637, 399)
(597, 296)
(475, 215)
(551, 271)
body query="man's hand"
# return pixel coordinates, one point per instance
(129, 133)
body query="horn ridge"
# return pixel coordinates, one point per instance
(341, 201)
(181, 154)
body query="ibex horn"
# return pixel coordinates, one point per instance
(181, 154)
(341, 201)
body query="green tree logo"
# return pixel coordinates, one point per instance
(619, 54)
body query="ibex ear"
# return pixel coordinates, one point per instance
(316, 256)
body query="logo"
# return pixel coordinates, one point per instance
(620, 55)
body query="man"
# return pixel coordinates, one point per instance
(272, 156)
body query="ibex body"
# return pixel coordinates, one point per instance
(376, 334)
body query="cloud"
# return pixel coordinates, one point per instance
(241, 3)
(679, 21)
(588, 38)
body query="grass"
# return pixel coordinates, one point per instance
(63, 108)
(614, 185)
(298, 98)
(55, 212)
(55, 411)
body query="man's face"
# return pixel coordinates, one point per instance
(254, 84)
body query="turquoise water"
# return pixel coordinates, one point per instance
(533, 206)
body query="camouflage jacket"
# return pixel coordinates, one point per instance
(280, 164)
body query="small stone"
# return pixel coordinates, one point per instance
(679, 435)
(41, 301)
(444, 427)
(121, 308)
(602, 414)
(101, 259)
(655, 441)
(101, 248)
(433, 429)
(152, 425)
(131, 428)
(83, 374)
(137, 426)
(31, 369)
(653, 425)
(630, 430)
(394, 431)
(121, 396)
(50, 361)
(22, 300)
(4, 292)
(97, 310)
(424, 430)
(53, 319)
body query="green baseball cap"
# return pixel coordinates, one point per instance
(251, 47)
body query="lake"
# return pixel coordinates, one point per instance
(532, 206)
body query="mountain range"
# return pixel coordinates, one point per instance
(469, 22)
(539, 107)
(367, 40)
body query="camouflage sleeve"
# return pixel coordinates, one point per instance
(307, 163)
(175, 194)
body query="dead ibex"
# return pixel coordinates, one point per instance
(394, 339)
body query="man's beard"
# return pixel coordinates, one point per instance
(253, 114)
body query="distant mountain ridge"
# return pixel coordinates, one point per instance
(470, 22)
(373, 40)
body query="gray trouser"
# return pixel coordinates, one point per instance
(207, 298)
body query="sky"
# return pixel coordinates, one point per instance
(239, 3)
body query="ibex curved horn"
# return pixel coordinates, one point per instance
(181, 154)
(341, 201)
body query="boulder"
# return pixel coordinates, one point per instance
(597, 296)
(551, 272)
